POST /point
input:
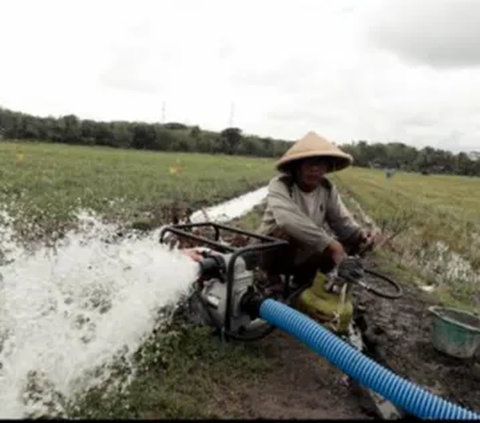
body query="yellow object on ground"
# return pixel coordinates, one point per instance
(327, 308)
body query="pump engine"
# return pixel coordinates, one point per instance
(213, 291)
(226, 292)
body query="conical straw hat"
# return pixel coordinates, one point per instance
(312, 145)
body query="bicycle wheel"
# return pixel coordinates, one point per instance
(374, 281)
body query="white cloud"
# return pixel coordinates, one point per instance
(347, 69)
(441, 33)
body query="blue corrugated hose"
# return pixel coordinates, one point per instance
(411, 398)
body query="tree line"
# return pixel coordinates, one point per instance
(175, 136)
(399, 156)
(136, 135)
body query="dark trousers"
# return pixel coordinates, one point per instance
(282, 261)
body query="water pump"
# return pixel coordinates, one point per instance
(226, 294)
(220, 298)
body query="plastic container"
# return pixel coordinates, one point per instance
(324, 307)
(455, 332)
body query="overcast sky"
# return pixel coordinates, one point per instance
(348, 69)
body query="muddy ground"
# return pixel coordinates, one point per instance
(302, 387)
(402, 330)
(306, 387)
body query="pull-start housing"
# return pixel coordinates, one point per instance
(213, 291)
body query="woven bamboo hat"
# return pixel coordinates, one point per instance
(312, 145)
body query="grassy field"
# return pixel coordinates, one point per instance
(43, 184)
(438, 224)
(184, 373)
(181, 372)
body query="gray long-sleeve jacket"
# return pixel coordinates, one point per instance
(305, 217)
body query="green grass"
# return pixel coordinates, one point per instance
(439, 222)
(44, 184)
(184, 372)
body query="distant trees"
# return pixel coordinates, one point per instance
(231, 139)
(399, 156)
(171, 136)
(176, 136)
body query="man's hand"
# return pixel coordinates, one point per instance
(367, 239)
(336, 252)
(193, 253)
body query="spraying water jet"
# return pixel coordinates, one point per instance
(67, 315)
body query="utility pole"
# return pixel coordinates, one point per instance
(232, 111)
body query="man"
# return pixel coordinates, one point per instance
(301, 203)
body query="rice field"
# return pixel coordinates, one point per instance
(42, 185)
(437, 219)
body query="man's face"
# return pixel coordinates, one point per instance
(311, 172)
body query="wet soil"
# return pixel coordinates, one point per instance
(401, 330)
(305, 386)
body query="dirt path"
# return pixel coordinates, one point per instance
(299, 387)
(302, 388)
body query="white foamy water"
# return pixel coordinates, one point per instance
(232, 209)
(64, 313)
(69, 310)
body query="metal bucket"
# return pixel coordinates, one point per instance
(455, 332)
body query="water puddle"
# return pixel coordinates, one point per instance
(66, 312)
